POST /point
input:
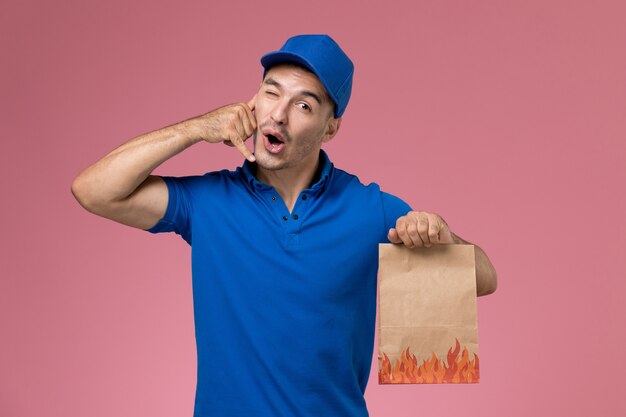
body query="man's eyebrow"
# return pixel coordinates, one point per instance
(271, 81)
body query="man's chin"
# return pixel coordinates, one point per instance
(265, 161)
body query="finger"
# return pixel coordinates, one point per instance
(403, 234)
(433, 231)
(411, 230)
(393, 236)
(239, 128)
(422, 230)
(243, 149)
(249, 123)
(252, 103)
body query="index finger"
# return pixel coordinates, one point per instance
(393, 236)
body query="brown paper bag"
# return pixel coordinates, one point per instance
(427, 330)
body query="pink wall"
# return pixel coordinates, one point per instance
(507, 118)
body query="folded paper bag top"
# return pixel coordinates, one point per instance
(428, 330)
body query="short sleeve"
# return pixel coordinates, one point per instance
(177, 217)
(393, 208)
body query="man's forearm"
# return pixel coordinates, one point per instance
(119, 173)
(486, 277)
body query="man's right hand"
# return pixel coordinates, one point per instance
(119, 185)
(232, 124)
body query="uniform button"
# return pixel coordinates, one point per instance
(304, 197)
(273, 198)
(295, 217)
(284, 217)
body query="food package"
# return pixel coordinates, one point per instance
(427, 330)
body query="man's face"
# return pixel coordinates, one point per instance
(294, 116)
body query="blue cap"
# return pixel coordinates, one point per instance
(321, 55)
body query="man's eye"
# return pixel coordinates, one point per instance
(305, 106)
(271, 93)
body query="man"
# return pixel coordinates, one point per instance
(284, 249)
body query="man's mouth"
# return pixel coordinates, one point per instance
(273, 144)
(273, 141)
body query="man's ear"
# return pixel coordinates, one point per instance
(332, 128)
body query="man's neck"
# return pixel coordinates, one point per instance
(289, 182)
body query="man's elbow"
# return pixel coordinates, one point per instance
(85, 195)
(489, 286)
(78, 192)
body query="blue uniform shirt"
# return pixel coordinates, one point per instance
(284, 303)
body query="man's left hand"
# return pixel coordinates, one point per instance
(420, 229)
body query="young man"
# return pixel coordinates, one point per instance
(284, 248)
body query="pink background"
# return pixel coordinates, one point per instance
(505, 117)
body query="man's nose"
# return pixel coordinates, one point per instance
(279, 112)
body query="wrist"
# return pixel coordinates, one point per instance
(189, 131)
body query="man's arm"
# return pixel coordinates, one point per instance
(119, 186)
(486, 277)
(423, 229)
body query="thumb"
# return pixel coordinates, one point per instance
(393, 236)
(252, 102)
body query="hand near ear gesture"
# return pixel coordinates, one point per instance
(232, 124)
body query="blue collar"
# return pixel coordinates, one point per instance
(324, 171)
